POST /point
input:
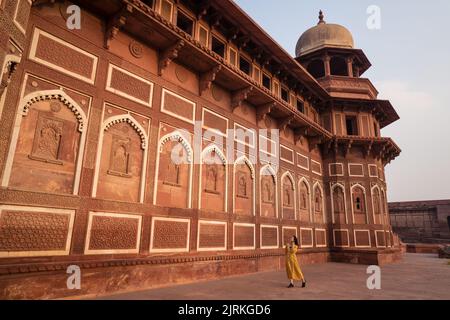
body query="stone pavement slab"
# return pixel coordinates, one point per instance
(418, 276)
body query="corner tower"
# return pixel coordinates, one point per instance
(355, 158)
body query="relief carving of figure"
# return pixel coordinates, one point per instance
(120, 156)
(287, 196)
(303, 201)
(211, 178)
(242, 186)
(47, 139)
(267, 191)
(173, 173)
(318, 201)
(338, 200)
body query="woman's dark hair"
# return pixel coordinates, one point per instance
(295, 240)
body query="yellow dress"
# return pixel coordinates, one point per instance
(292, 268)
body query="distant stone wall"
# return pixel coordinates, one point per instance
(421, 221)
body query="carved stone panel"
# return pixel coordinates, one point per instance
(26, 231)
(243, 200)
(120, 164)
(268, 194)
(47, 149)
(173, 176)
(288, 199)
(304, 202)
(338, 205)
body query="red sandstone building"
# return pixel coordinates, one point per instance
(90, 119)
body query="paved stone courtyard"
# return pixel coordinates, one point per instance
(418, 276)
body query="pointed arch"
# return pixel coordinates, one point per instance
(270, 171)
(318, 186)
(58, 94)
(22, 111)
(332, 188)
(108, 124)
(245, 161)
(207, 150)
(178, 137)
(355, 186)
(288, 175)
(175, 136)
(132, 122)
(305, 181)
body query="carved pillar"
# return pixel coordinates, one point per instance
(326, 63)
(350, 66)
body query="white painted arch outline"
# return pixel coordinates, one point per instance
(273, 173)
(23, 108)
(318, 185)
(213, 148)
(246, 161)
(107, 124)
(306, 182)
(342, 187)
(179, 137)
(291, 178)
(365, 201)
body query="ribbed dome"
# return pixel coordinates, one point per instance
(324, 35)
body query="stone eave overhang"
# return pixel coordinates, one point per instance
(173, 44)
(382, 109)
(381, 148)
(259, 35)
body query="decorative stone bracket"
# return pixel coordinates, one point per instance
(168, 55)
(264, 110)
(115, 23)
(207, 78)
(239, 96)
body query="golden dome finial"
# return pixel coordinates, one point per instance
(321, 16)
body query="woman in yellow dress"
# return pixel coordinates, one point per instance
(292, 268)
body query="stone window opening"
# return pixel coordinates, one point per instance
(185, 23)
(284, 95)
(338, 67)
(218, 46)
(358, 204)
(150, 3)
(300, 106)
(244, 65)
(317, 69)
(352, 125)
(266, 82)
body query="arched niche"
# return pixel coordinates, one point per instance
(338, 66)
(244, 187)
(338, 202)
(316, 68)
(213, 180)
(305, 213)
(319, 204)
(377, 209)
(359, 204)
(288, 198)
(47, 144)
(122, 155)
(268, 192)
(174, 172)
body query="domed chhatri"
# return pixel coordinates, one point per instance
(324, 35)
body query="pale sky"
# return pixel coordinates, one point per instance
(410, 58)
